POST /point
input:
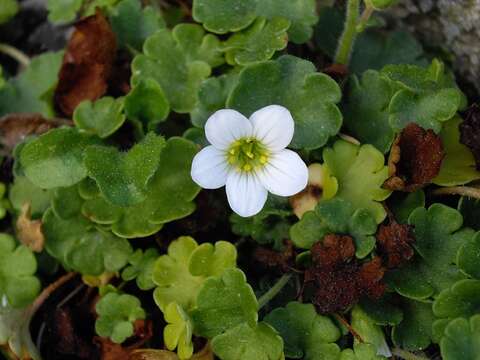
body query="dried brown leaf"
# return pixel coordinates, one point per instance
(87, 63)
(470, 132)
(340, 280)
(282, 261)
(29, 231)
(415, 159)
(307, 199)
(14, 128)
(394, 242)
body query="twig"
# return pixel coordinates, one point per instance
(345, 44)
(458, 190)
(367, 13)
(16, 54)
(274, 290)
(49, 291)
(349, 327)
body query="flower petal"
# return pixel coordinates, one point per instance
(246, 195)
(285, 174)
(210, 168)
(225, 126)
(274, 126)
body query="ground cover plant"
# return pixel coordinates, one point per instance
(234, 180)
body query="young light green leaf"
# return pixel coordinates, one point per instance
(370, 332)
(249, 343)
(147, 103)
(438, 236)
(179, 275)
(462, 339)
(304, 332)
(24, 191)
(123, 178)
(179, 60)
(178, 332)
(140, 268)
(56, 158)
(8, 9)
(336, 216)
(18, 265)
(360, 173)
(31, 90)
(116, 315)
(102, 117)
(132, 24)
(63, 11)
(258, 42)
(292, 82)
(366, 111)
(458, 166)
(171, 184)
(223, 303)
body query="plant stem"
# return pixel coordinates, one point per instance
(407, 355)
(345, 44)
(16, 54)
(274, 290)
(367, 13)
(458, 190)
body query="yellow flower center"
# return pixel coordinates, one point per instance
(247, 154)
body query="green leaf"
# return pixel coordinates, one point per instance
(32, 90)
(24, 191)
(2, 80)
(212, 96)
(116, 315)
(179, 60)
(171, 185)
(366, 112)
(462, 339)
(123, 178)
(383, 311)
(438, 237)
(132, 24)
(360, 173)
(18, 265)
(336, 216)
(147, 103)
(470, 210)
(220, 16)
(55, 158)
(301, 13)
(248, 343)
(292, 82)
(8, 9)
(173, 274)
(361, 351)
(258, 42)
(63, 11)
(102, 117)
(79, 246)
(458, 166)
(140, 268)
(460, 300)
(178, 332)
(468, 257)
(415, 330)
(370, 332)
(402, 208)
(224, 303)
(270, 225)
(304, 332)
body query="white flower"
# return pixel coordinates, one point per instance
(249, 157)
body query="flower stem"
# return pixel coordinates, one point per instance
(407, 355)
(16, 54)
(367, 13)
(345, 44)
(274, 290)
(458, 190)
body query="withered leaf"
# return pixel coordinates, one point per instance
(415, 159)
(282, 261)
(470, 132)
(87, 63)
(339, 280)
(394, 242)
(29, 231)
(307, 199)
(14, 128)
